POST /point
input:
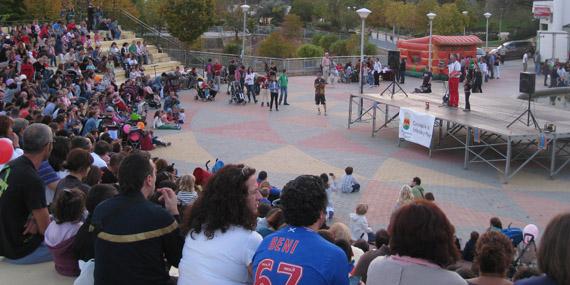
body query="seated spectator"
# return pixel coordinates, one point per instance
(221, 240)
(78, 163)
(493, 257)
(381, 242)
(291, 250)
(469, 249)
(526, 250)
(262, 212)
(348, 183)
(429, 196)
(417, 189)
(495, 225)
(421, 244)
(405, 197)
(109, 175)
(525, 272)
(159, 123)
(67, 209)
(187, 187)
(275, 220)
(362, 244)
(341, 231)
(553, 254)
(359, 228)
(100, 154)
(24, 216)
(125, 252)
(84, 243)
(264, 189)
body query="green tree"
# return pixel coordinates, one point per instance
(304, 8)
(276, 46)
(232, 48)
(272, 9)
(154, 13)
(446, 22)
(12, 10)
(327, 40)
(339, 48)
(379, 13)
(189, 19)
(41, 9)
(309, 50)
(421, 21)
(292, 27)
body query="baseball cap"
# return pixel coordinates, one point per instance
(10, 82)
(23, 77)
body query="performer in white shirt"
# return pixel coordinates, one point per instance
(454, 71)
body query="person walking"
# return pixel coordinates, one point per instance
(402, 71)
(249, 82)
(283, 82)
(377, 71)
(273, 87)
(326, 66)
(320, 99)
(537, 65)
(467, 85)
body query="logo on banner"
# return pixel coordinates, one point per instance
(407, 121)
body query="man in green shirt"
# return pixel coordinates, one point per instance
(283, 81)
(417, 189)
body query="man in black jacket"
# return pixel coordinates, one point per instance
(135, 235)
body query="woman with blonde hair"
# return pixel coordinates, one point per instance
(404, 198)
(341, 231)
(187, 189)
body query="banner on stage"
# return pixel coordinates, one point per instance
(416, 127)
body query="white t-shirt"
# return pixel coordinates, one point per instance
(525, 58)
(98, 161)
(250, 78)
(222, 260)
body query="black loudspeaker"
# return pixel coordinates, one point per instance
(394, 59)
(527, 82)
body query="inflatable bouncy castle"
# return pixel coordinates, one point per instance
(416, 52)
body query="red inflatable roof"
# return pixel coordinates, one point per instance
(447, 40)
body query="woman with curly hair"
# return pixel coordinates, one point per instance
(494, 254)
(221, 238)
(421, 247)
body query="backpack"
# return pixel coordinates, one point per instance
(514, 234)
(219, 164)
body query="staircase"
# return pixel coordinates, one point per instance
(159, 62)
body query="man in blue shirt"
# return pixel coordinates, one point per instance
(297, 254)
(92, 122)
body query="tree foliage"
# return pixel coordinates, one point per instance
(327, 40)
(189, 19)
(154, 13)
(292, 27)
(304, 8)
(12, 10)
(276, 46)
(448, 21)
(310, 50)
(41, 9)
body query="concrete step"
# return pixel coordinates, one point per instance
(161, 67)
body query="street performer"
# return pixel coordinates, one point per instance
(454, 71)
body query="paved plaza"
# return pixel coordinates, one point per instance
(297, 141)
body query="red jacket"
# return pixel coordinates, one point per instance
(28, 70)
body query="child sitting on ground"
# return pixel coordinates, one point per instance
(359, 228)
(181, 116)
(67, 208)
(348, 182)
(187, 190)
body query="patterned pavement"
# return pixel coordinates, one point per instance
(297, 141)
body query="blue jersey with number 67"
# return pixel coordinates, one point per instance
(298, 255)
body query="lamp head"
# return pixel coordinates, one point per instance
(487, 15)
(431, 15)
(363, 13)
(464, 13)
(244, 8)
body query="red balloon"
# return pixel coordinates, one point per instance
(6, 150)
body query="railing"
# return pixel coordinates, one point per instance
(294, 66)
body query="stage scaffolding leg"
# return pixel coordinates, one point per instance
(386, 114)
(467, 145)
(374, 119)
(350, 111)
(553, 157)
(508, 161)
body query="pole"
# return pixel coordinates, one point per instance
(243, 37)
(464, 30)
(362, 57)
(430, 51)
(487, 35)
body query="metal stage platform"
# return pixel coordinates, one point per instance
(481, 134)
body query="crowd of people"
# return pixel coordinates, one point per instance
(82, 191)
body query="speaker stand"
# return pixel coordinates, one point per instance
(393, 85)
(530, 115)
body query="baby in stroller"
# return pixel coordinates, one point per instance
(203, 90)
(236, 93)
(426, 83)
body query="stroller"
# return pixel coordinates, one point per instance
(203, 91)
(236, 93)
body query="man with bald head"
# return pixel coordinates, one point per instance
(24, 216)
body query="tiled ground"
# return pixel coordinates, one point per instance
(296, 141)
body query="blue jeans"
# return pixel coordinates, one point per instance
(40, 255)
(283, 95)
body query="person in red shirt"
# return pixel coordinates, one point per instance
(217, 72)
(27, 69)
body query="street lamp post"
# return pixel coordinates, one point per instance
(362, 13)
(465, 13)
(244, 9)
(487, 15)
(430, 16)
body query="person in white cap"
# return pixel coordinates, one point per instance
(526, 250)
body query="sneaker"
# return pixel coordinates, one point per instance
(276, 109)
(270, 110)
(261, 104)
(286, 104)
